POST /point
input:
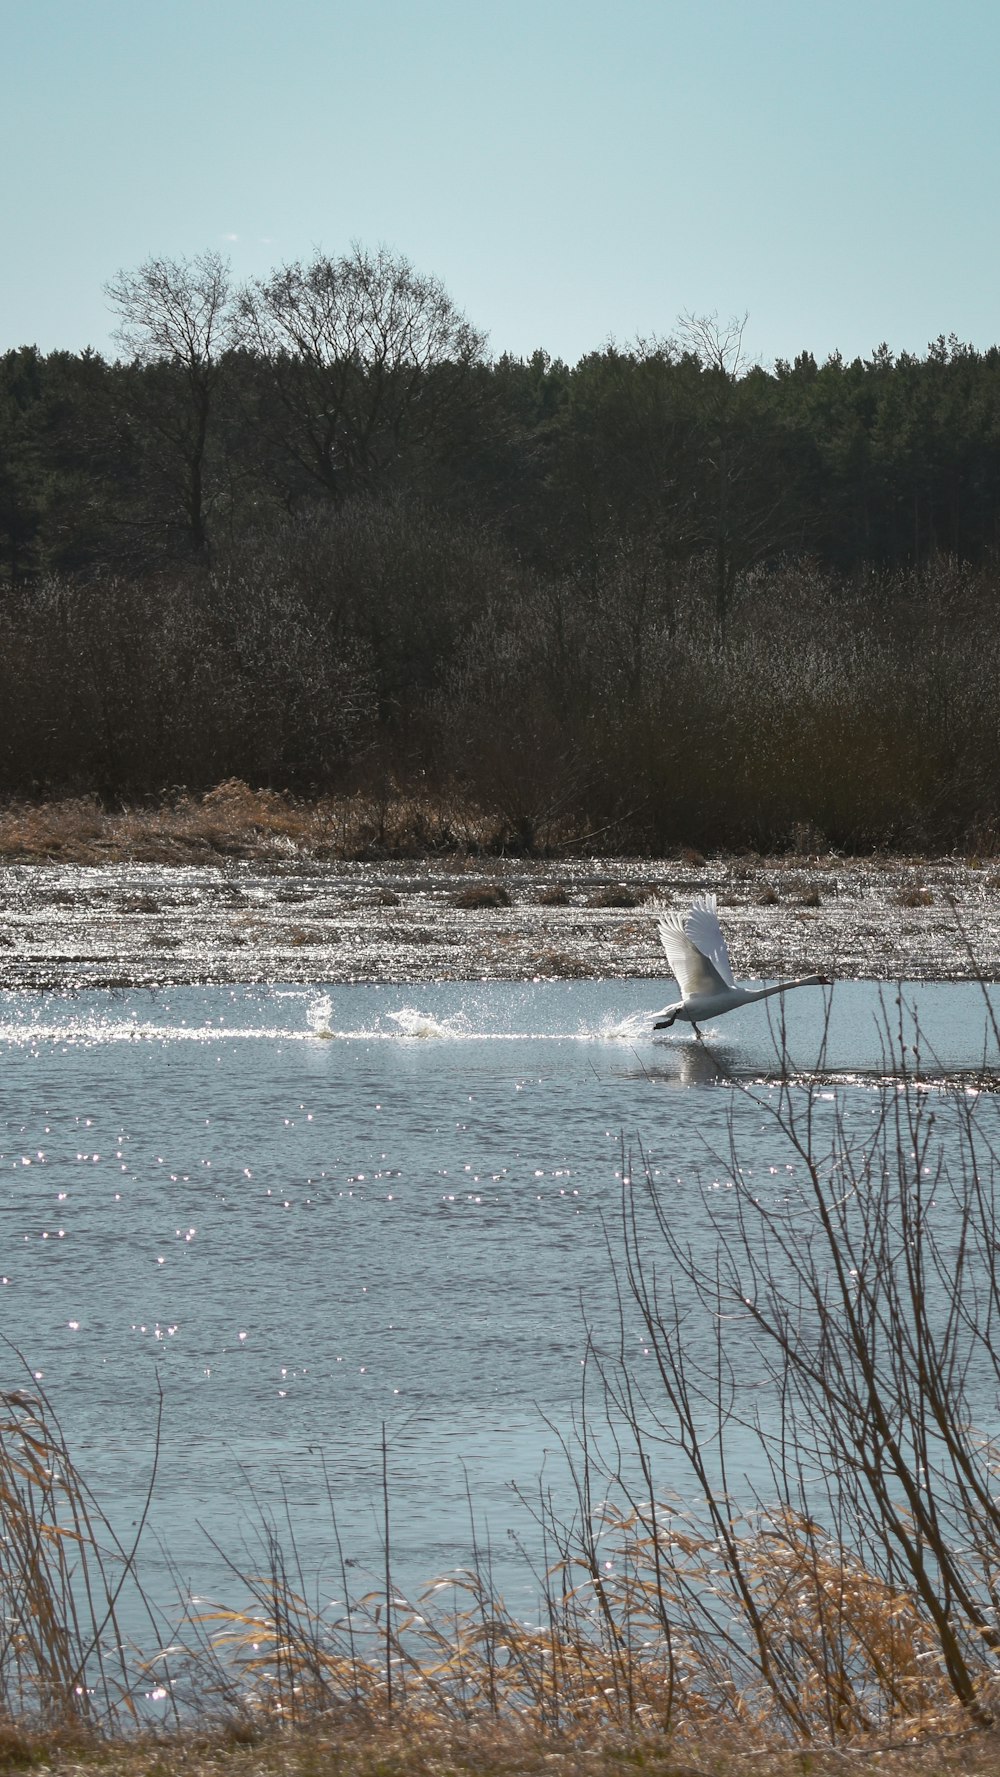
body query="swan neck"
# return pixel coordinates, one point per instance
(763, 993)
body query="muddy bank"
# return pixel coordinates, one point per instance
(126, 925)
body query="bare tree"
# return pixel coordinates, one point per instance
(737, 518)
(849, 1342)
(175, 320)
(363, 356)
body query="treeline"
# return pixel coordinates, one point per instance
(308, 534)
(234, 409)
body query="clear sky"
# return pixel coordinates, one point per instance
(574, 170)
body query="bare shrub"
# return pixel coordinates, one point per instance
(127, 686)
(861, 1590)
(380, 651)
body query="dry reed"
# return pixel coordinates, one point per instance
(63, 1571)
(632, 1643)
(235, 821)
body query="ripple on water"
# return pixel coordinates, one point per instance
(304, 1240)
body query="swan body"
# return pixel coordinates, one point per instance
(699, 961)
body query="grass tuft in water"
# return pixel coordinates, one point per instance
(480, 895)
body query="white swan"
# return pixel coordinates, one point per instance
(699, 962)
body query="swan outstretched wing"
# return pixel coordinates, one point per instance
(696, 949)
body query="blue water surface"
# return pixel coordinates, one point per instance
(315, 1217)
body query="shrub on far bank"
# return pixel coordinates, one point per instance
(523, 714)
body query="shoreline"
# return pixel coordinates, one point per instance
(345, 1747)
(257, 920)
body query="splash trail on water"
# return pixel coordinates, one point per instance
(21, 1026)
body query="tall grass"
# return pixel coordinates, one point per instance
(233, 820)
(63, 1573)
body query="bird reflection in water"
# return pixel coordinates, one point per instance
(689, 1064)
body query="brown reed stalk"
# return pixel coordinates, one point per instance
(63, 1659)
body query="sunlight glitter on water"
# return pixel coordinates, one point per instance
(303, 1238)
(320, 1022)
(846, 1033)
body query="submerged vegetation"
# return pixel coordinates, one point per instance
(307, 535)
(777, 1524)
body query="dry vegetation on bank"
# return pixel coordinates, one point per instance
(235, 821)
(250, 885)
(281, 1693)
(397, 1751)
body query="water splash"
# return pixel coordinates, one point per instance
(318, 1016)
(633, 1028)
(412, 1023)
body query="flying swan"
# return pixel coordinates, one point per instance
(699, 962)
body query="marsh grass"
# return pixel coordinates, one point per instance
(481, 895)
(63, 1572)
(235, 821)
(615, 895)
(628, 1638)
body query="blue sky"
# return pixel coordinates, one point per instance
(574, 170)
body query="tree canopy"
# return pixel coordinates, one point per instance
(356, 374)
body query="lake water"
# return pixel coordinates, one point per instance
(312, 1214)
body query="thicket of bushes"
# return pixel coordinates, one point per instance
(382, 645)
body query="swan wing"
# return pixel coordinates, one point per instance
(696, 949)
(703, 929)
